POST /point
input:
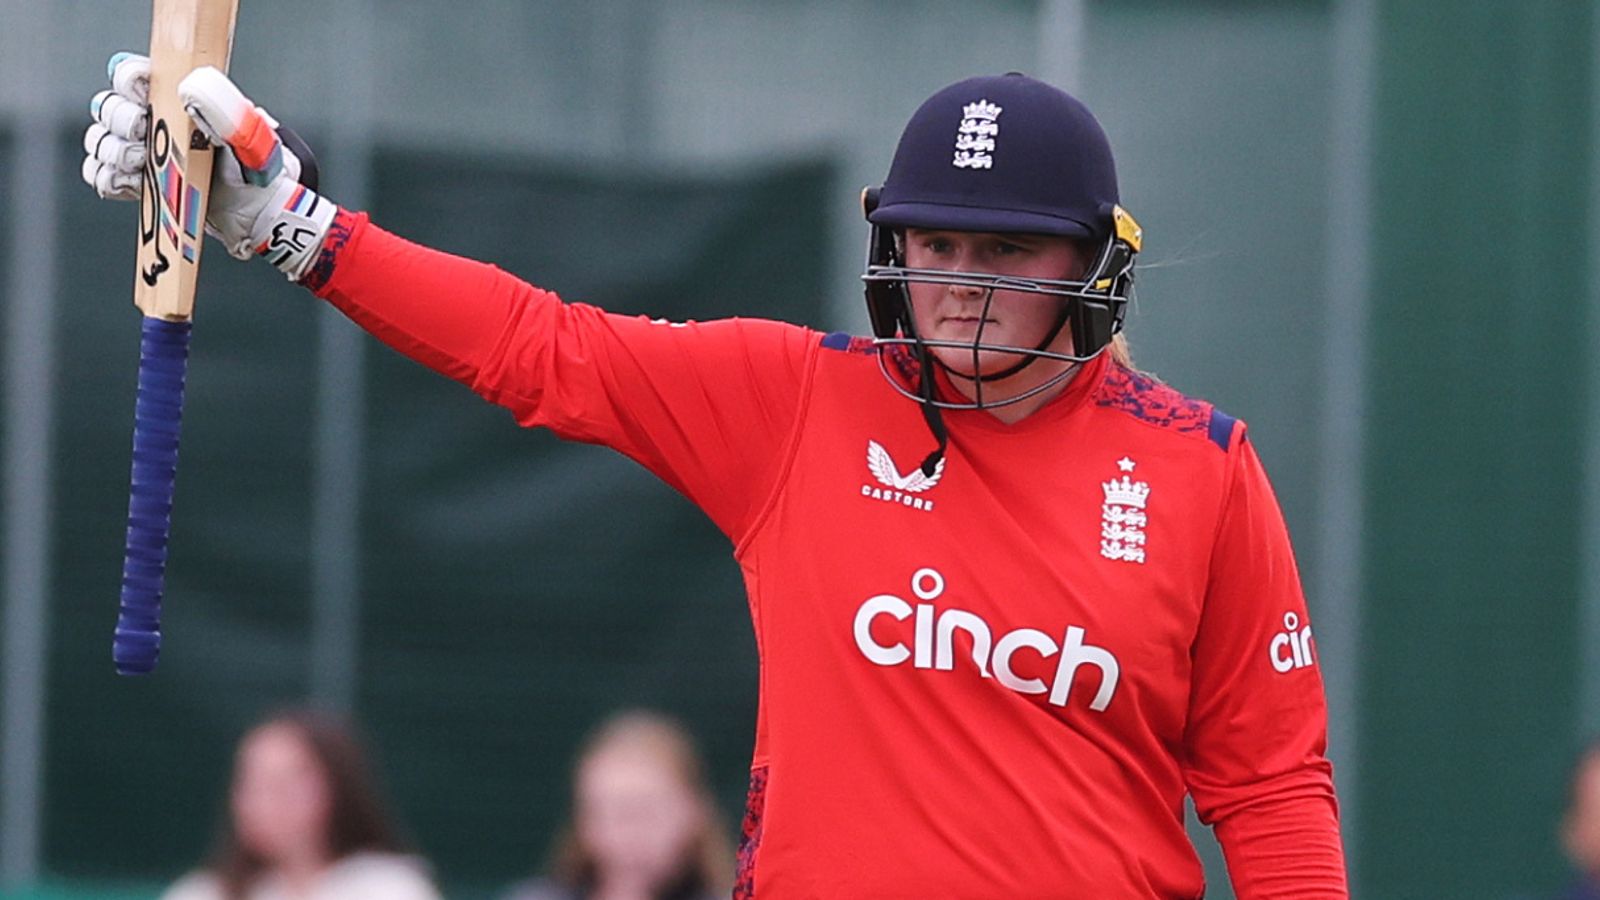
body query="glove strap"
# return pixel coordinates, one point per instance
(292, 237)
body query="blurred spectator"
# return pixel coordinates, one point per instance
(305, 822)
(1580, 828)
(644, 825)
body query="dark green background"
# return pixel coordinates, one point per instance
(1479, 389)
(515, 588)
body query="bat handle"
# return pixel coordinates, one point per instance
(158, 415)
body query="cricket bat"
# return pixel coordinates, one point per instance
(184, 35)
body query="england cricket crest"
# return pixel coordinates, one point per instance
(975, 139)
(1123, 518)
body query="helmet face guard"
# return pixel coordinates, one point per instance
(1093, 307)
(1007, 155)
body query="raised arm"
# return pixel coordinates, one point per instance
(709, 408)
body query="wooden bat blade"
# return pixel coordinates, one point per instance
(184, 35)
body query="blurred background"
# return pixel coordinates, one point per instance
(1370, 229)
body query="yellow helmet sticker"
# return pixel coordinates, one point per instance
(1127, 229)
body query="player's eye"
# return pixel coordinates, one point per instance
(1007, 248)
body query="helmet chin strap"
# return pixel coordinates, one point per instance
(925, 389)
(931, 415)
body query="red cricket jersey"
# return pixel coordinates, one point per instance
(999, 680)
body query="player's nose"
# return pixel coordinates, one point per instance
(964, 260)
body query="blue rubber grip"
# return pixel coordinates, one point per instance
(157, 417)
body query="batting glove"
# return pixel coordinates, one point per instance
(263, 197)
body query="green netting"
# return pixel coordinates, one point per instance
(518, 588)
(1472, 647)
(84, 891)
(515, 589)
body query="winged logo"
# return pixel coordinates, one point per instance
(883, 469)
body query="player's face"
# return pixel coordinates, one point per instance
(280, 797)
(636, 817)
(1012, 318)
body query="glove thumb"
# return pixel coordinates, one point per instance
(228, 117)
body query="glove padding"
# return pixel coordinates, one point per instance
(259, 205)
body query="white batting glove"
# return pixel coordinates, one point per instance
(258, 205)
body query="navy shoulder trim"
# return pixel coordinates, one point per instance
(1148, 400)
(1221, 431)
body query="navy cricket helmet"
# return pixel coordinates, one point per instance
(1006, 154)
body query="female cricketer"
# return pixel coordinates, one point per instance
(1013, 599)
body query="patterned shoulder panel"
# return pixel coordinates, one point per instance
(1149, 400)
(896, 358)
(744, 886)
(849, 343)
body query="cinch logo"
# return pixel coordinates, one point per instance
(1291, 649)
(933, 644)
(893, 487)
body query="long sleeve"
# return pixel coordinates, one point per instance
(1257, 730)
(708, 407)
